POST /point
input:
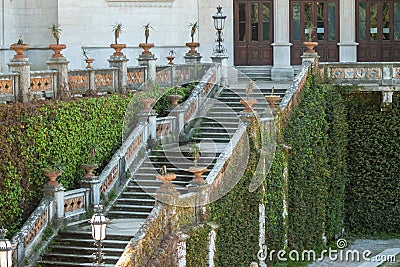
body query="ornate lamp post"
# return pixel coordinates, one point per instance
(219, 23)
(5, 250)
(98, 222)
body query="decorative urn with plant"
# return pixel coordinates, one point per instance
(90, 166)
(19, 48)
(174, 98)
(52, 171)
(55, 30)
(164, 176)
(171, 56)
(249, 102)
(272, 99)
(146, 45)
(88, 60)
(117, 29)
(310, 38)
(196, 170)
(193, 45)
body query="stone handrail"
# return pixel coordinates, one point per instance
(136, 76)
(43, 83)
(8, 86)
(76, 203)
(374, 76)
(165, 127)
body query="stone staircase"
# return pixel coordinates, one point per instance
(74, 245)
(256, 73)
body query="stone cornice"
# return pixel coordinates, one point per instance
(140, 3)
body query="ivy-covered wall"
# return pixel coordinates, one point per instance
(373, 188)
(37, 135)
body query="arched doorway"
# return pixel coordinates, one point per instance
(324, 15)
(378, 30)
(253, 32)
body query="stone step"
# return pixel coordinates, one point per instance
(135, 208)
(78, 234)
(50, 263)
(85, 250)
(77, 258)
(88, 242)
(127, 214)
(146, 202)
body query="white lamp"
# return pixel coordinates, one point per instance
(5, 250)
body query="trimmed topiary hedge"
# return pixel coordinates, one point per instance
(36, 135)
(373, 188)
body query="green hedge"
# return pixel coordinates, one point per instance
(197, 245)
(236, 213)
(373, 189)
(317, 133)
(36, 135)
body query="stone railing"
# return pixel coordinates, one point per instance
(374, 76)
(8, 86)
(42, 84)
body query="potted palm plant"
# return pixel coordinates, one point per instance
(52, 171)
(249, 102)
(310, 38)
(171, 56)
(55, 30)
(146, 45)
(193, 45)
(19, 48)
(91, 165)
(88, 60)
(117, 29)
(196, 170)
(164, 176)
(272, 99)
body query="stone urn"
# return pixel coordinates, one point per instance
(146, 49)
(170, 60)
(272, 99)
(198, 172)
(57, 50)
(19, 50)
(147, 102)
(248, 104)
(166, 178)
(89, 168)
(89, 62)
(192, 46)
(310, 46)
(52, 174)
(118, 49)
(174, 100)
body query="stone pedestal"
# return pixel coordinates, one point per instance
(57, 191)
(150, 63)
(23, 67)
(192, 58)
(60, 64)
(221, 58)
(120, 62)
(93, 184)
(309, 57)
(153, 125)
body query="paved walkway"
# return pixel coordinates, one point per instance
(382, 253)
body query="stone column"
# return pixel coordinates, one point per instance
(282, 70)
(153, 125)
(150, 63)
(56, 190)
(181, 249)
(347, 45)
(121, 63)
(60, 64)
(23, 67)
(222, 59)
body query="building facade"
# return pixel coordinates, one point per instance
(257, 32)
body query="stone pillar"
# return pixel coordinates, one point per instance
(56, 190)
(282, 70)
(181, 249)
(222, 59)
(92, 183)
(211, 245)
(347, 45)
(60, 64)
(121, 63)
(23, 67)
(150, 63)
(309, 57)
(153, 125)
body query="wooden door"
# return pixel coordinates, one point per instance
(378, 30)
(253, 32)
(324, 16)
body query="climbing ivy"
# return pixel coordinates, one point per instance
(373, 188)
(37, 135)
(197, 245)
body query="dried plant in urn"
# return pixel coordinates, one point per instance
(193, 45)
(55, 31)
(117, 30)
